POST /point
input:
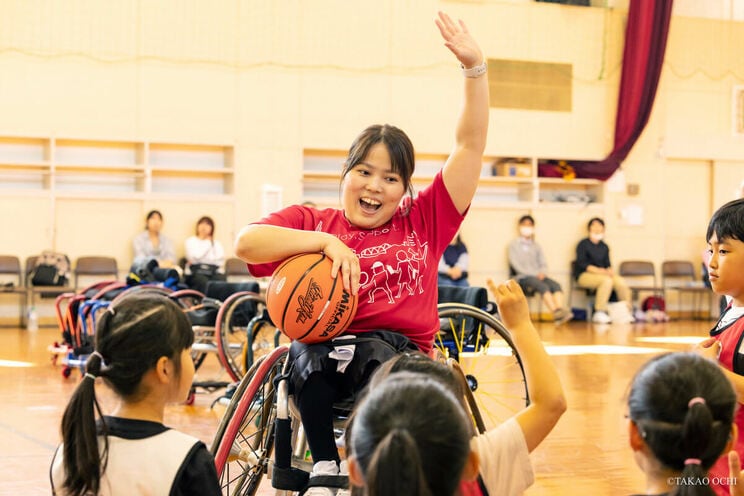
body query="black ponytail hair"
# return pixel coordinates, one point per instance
(683, 406)
(410, 436)
(131, 336)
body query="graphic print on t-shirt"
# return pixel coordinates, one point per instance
(395, 265)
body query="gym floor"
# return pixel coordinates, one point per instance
(587, 453)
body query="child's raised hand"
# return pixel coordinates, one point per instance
(708, 348)
(458, 40)
(512, 303)
(735, 474)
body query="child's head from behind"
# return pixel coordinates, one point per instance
(133, 335)
(410, 436)
(142, 336)
(725, 236)
(420, 363)
(681, 409)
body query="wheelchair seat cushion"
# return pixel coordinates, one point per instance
(206, 316)
(221, 290)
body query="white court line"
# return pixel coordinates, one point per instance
(15, 364)
(591, 349)
(672, 339)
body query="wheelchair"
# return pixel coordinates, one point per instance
(260, 435)
(230, 322)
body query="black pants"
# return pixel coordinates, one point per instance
(317, 385)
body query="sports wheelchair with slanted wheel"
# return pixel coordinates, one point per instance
(260, 434)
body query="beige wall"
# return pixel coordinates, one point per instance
(276, 77)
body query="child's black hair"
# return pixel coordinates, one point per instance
(683, 407)
(131, 336)
(727, 222)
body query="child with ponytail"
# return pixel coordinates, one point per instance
(681, 411)
(394, 449)
(142, 352)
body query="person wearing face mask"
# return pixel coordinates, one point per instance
(593, 270)
(528, 267)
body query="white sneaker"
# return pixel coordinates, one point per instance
(601, 318)
(343, 469)
(323, 468)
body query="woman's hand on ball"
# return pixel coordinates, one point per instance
(346, 261)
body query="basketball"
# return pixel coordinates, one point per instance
(306, 303)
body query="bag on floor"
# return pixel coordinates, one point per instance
(51, 269)
(653, 303)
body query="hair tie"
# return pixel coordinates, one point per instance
(111, 310)
(100, 357)
(88, 375)
(695, 400)
(692, 461)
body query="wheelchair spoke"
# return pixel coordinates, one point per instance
(489, 363)
(247, 444)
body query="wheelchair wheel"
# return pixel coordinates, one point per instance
(244, 332)
(189, 299)
(233, 404)
(243, 454)
(488, 362)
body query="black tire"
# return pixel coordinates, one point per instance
(244, 332)
(250, 430)
(189, 299)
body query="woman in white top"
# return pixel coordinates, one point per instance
(205, 257)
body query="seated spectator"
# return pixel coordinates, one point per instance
(528, 266)
(205, 257)
(681, 412)
(453, 266)
(150, 244)
(593, 270)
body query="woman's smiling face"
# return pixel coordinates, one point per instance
(371, 191)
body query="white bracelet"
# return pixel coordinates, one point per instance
(474, 72)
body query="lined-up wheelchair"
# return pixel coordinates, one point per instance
(229, 321)
(260, 433)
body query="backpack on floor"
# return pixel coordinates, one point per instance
(51, 269)
(653, 303)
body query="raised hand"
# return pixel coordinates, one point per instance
(457, 38)
(512, 303)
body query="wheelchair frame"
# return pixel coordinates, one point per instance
(258, 421)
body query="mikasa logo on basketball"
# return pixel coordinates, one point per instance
(341, 309)
(305, 303)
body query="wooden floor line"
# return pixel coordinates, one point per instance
(27, 437)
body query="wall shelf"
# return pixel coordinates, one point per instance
(505, 181)
(102, 168)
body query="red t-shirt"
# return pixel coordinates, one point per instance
(399, 260)
(731, 337)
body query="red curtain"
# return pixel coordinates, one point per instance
(645, 44)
